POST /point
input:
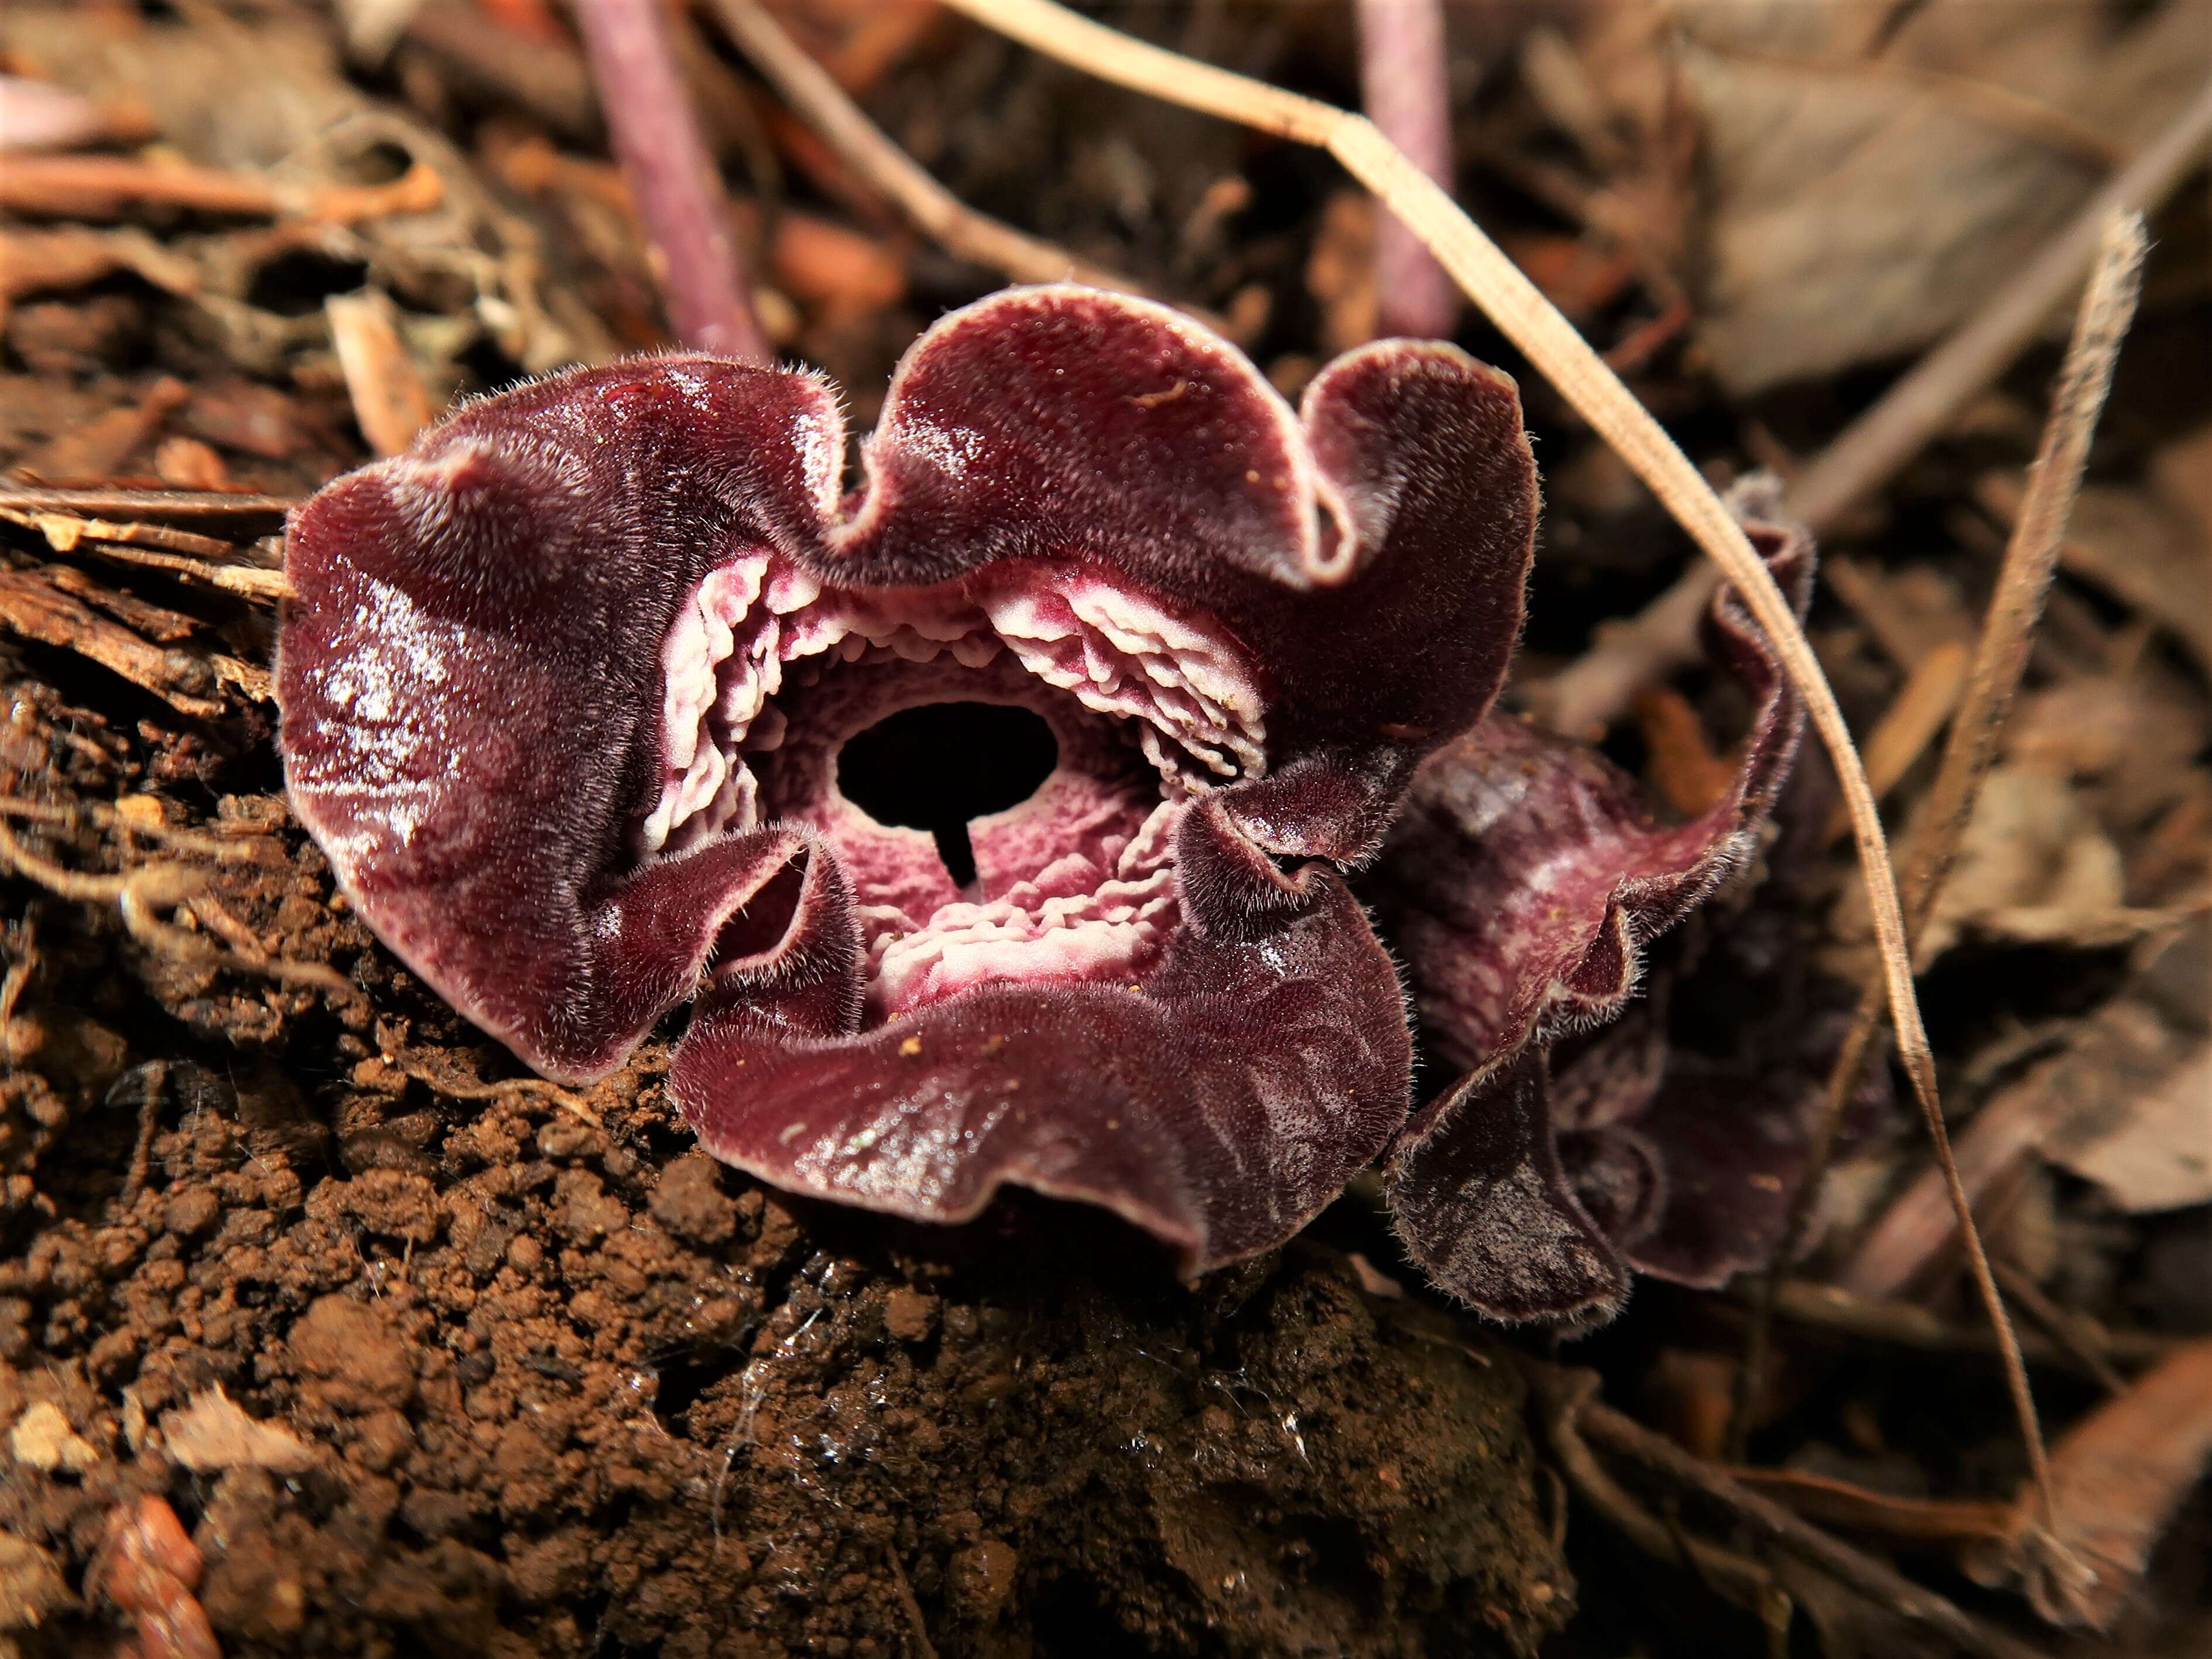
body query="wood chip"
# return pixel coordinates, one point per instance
(390, 402)
(213, 1433)
(37, 610)
(107, 186)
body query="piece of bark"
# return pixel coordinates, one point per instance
(38, 610)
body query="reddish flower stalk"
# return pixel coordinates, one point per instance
(1402, 82)
(672, 180)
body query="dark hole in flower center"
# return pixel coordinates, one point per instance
(936, 767)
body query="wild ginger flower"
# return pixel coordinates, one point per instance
(993, 813)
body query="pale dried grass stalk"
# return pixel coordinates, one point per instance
(2000, 660)
(1519, 310)
(1866, 454)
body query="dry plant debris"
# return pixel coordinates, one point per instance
(321, 1330)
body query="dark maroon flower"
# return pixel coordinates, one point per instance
(1522, 882)
(595, 699)
(1684, 1129)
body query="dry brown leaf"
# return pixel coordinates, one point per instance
(2118, 1476)
(2128, 1092)
(212, 1432)
(2035, 866)
(1855, 205)
(2149, 1146)
(2155, 1153)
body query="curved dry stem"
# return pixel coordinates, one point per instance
(2001, 657)
(1663, 635)
(1519, 311)
(861, 145)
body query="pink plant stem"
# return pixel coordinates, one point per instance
(1402, 82)
(672, 180)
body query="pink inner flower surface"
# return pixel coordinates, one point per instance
(769, 674)
(992, 813)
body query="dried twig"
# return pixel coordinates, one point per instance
(1835, 1503)
(1571, 1404)
(1663, 636)
(188, 505)
(1908, 1325)
(1565, 1396)
(138, 893)
(2000, 659)
(861, 145)
(2077, 1334)
(672, 181)
(1403, 83)
(93, 186)
(2125, 1468)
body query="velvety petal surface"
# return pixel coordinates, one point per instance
(539, 675)
(1525, 870)
(1219, 1104)
(1482, 1202)
(1718, 1080)
(1520, 884)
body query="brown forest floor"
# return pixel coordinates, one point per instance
(324, 1329)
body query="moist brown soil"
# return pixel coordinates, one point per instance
(324, 1329)
(542, 1380)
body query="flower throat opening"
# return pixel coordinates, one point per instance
(941, 765)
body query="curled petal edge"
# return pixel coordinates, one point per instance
(1512, 822)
